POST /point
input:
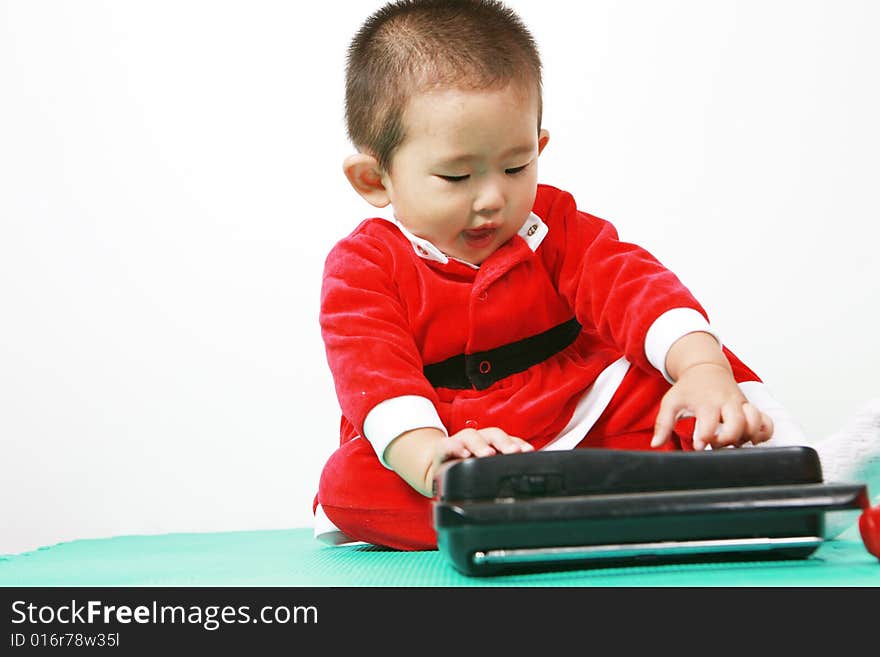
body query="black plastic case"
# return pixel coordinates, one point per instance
(599, 507)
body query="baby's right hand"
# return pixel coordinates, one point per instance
(477, 442)
(419, 455)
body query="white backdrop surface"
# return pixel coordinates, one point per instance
(170, 182)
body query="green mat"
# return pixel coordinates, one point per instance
(293, 558)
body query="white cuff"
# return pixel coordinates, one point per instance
(392, 417)
(669, 327)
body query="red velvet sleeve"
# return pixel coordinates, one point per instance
(370, 349)
(616, 288)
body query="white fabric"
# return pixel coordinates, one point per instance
(667, 329)
(533, 231)
(590, 407)
(852, 454)
(392, 417)
(423, 247)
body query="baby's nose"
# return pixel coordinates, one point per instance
(490, 199)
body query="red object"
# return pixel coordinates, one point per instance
(869, 526)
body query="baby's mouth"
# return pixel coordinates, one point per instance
(479, 237)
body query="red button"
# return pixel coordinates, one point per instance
(470, 424)
(485, 367)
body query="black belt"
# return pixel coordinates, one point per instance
(483, 368)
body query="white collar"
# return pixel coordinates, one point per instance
(533, 231)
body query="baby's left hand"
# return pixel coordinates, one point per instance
(724, 416)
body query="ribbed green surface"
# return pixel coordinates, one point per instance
(294, 558)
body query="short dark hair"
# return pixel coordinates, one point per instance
(409, 46)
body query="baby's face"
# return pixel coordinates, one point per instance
(465, 176)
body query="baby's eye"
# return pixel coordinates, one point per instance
(515, 170)
(453, 179)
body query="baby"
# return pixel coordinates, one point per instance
(493, 315)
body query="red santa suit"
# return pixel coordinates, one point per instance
(558, 337)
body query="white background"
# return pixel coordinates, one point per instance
(170, 182)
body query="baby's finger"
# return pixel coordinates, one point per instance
(524, 445)
(734, 425)
(518, 445)
(705, 428)
(503, 442)
(454, 448)
(760, 424)
(767, 426)
(669, 412)
(476, 442)
(753, 423)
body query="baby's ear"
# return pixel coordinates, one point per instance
(543, 138)
(365, 175)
